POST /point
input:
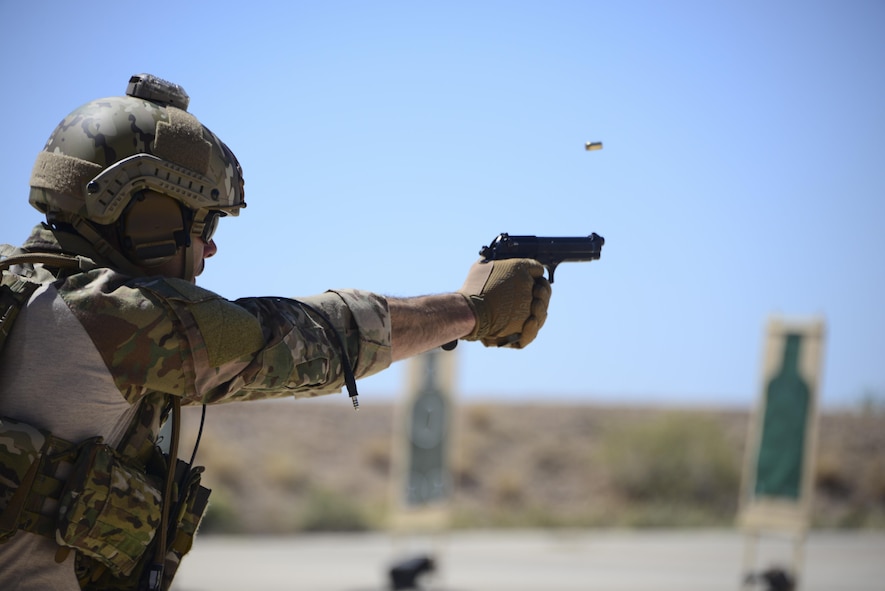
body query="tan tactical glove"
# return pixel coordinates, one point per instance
(509, 298)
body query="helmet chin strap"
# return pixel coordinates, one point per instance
(184, 254)
(103, 247)
(188, 267)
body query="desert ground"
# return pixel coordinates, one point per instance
(290, 466)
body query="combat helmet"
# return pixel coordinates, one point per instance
(99, 161)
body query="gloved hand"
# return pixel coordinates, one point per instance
(509, 298)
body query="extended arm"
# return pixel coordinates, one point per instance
(423, 323)
(502, 303)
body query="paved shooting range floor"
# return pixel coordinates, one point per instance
(583, 560)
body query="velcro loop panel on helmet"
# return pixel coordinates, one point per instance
(63, 174)
(180, 140)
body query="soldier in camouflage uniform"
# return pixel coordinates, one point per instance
(112, 335)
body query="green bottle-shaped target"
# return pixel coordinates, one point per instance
(781, 449)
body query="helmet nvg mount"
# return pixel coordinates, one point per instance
(101, 158)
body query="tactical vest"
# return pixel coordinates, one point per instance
(127, 515)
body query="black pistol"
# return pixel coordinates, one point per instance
(547, 251)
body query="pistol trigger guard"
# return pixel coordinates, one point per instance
(550, 269)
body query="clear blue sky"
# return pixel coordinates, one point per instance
(743, 173)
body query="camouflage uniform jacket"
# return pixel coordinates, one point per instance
(92, 343)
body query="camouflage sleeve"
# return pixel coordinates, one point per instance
(171, 336)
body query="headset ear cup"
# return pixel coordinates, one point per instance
(153, 228)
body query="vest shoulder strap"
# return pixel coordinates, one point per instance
(16, 290)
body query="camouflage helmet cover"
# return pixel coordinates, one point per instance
(109, 149)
